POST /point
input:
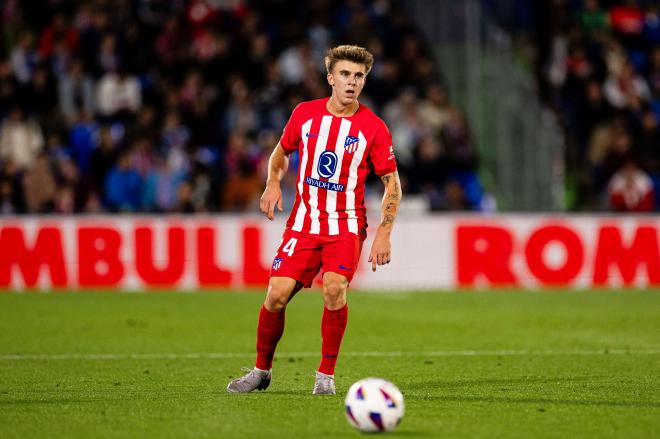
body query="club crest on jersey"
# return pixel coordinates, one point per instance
(277, 263)
(351, 144)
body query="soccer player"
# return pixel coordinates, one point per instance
(339, 141)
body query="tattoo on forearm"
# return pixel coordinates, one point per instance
(387, 219)
(391, 199)
(395, 193)
(389, 212)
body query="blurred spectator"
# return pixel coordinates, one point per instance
(7, 200)
(457, 141)
(627, 89)
(39, 186)
(647, 144)
(631, 190)
(21, 139)
(207, 45)
(454, 196)
(385, 83)
(292, 62)
(654, 73)
(9, 88)
(170, 44)
(200, 186)
(64, 201)
(118, 95)
(241, 115)
(24, 58)
(174, 142)
(594, 18)
(137, 50)
(72, 191)
(406, 125)
(430, 171)
(41, 92)
(143, 157)
(102, 160)
(161, 187)
(242, 189)
(57, 31)
(652, 24)
(123, 186)
(76, 92)
(473, 192)
(435, 110)
(185, 202)
(13, 195)
(597, 111)
(627, 19)
(143, 126)
(83, 138)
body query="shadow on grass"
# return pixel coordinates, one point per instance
(443, 384)
(549, 401)
(408, 433)
(269, 392)
(9, 402)
(306, 393)
(514, 384)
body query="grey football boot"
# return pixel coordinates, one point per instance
(254, 379)
(324, 385)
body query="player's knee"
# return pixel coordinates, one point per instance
(280, 291)
(276, 299)
(334, 292)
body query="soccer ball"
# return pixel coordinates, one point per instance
(374, 405)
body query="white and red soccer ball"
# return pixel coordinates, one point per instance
(374, 405)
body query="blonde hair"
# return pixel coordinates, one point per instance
(356, 54)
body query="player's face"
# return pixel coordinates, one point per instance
(347, 80)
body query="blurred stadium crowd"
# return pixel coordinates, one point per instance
(174, 106)
(598, 64)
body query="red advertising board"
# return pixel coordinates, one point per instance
(445, 252)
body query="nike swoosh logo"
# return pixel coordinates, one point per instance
(312, 135)
(344, 268)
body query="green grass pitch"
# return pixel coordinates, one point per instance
(492, 364)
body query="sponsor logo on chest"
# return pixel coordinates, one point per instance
(328, 162)
(327, 185)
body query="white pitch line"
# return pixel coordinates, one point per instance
(227, 355)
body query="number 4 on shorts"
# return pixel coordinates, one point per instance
(290, 246)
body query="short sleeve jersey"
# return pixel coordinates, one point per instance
(336, 154)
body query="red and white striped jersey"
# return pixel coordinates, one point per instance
(336, 155)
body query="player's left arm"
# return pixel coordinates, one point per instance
(381, 249)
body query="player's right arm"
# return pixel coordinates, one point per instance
(272, 196)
